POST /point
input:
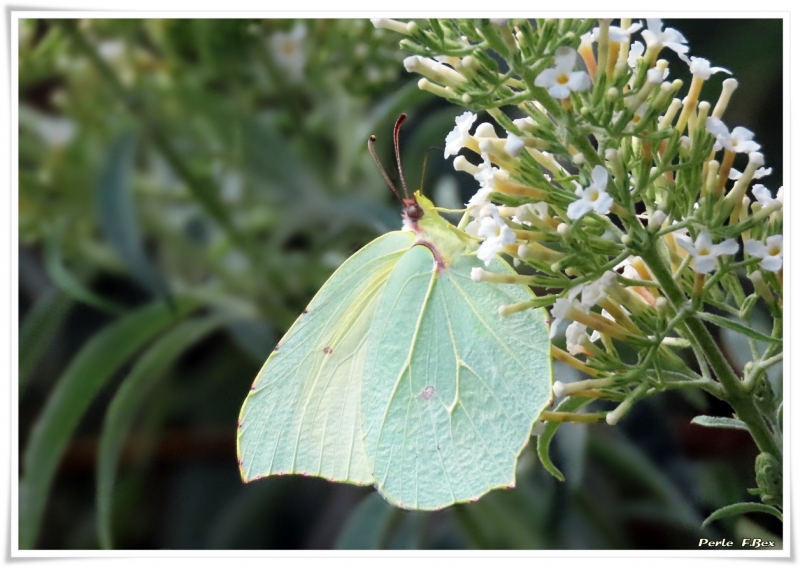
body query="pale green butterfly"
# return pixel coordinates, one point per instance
(402, 374)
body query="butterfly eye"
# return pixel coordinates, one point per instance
(414, 211)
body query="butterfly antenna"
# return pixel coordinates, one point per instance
(422, 177)
(397, 151)
(371, 146)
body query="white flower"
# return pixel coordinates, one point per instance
(575, 332)
(669, 38)
(456, 139)
(477, 274)
(616, 33)
(760, 172)
(497, 234)
(764, 196)
(592, 198)
(638, 114)
(389, 24)
(636, 51)
(740, 140)
(526, 213)
(596, 334)
(658, 218)
(56, 132)
(524, 123)
(486, 173)
(656, 75)
(772, 252)
(628, 271)
(597, 290)
(287, 49)
(486, 176)
(485, 130)
(562, 307)
(111, 50)
(702, 69)
(231, 186)
(479, 199)
(561, 80)
(514, 145)
(704, 252)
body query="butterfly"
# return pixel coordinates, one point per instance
(402, 374)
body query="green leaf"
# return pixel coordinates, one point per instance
(117, 211)
(97, 360)
(742, 508)
(746, 528)
(571, 448)
(626, 461)
(68, 283)
(255, 338)
(720, 422)
(38, 329)
(546, 437)
(738, 327)
(140, 382)
(271, 158)
(367, 525)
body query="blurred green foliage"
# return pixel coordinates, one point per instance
(185, 188)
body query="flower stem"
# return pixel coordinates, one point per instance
(735, 392)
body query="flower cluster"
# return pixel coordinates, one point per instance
(614, 195)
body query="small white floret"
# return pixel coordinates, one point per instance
(561, 80)
(592, 198)
(457, 138)
(771, 252)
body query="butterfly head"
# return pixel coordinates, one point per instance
(416, 208)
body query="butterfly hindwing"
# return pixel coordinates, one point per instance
(302, 414)
(451, 389)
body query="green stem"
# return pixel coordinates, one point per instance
(204, 192)
(735, 392)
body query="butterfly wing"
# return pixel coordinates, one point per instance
(451, 389)
(302, 412)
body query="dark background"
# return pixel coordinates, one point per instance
(208, 107)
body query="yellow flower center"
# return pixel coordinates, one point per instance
(703, 251)
(774, 251)
(288, 47)
(562, 79)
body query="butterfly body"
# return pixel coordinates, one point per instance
(401, 374)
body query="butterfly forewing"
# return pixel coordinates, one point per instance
(450, 389)
(303, 412)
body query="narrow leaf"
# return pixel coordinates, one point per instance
(720, 422)
(117, 212)
(738, 327)
(38, 329)
(546, 437)
(367, 524)
(627, 462)
(104, 353)
(285, 171)
(64, 279)
(742, 508)
(138, 385)
(255, 338)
